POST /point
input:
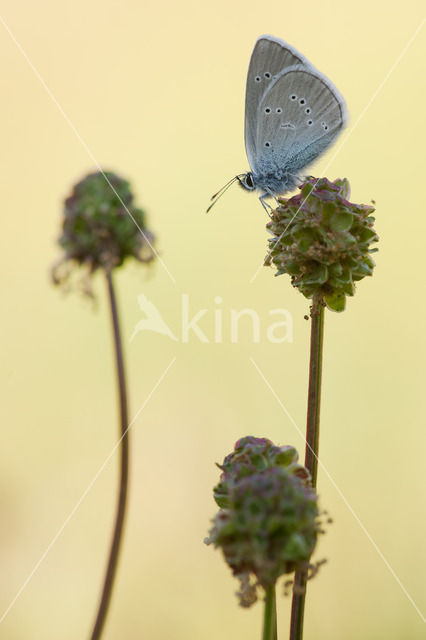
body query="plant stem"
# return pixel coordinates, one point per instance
(314, 392)
(270, 615)
(312, 447)
(124, 470)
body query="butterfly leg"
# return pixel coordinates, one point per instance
(272, 194)
(268, 194)
(264, 204)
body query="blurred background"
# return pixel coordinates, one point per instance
(155, 91)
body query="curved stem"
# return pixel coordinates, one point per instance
(270, 615)
(124, 470)
(312, 447)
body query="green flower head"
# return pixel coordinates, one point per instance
(102, 227)
(322, 241)
(252, 455)
(269, 522)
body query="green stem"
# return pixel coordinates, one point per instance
(312, 447)
(270, 615)
(124, 470)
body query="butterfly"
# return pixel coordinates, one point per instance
(293, 113)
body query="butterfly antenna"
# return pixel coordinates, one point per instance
(215, 197)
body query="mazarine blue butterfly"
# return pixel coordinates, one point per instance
(293, 114)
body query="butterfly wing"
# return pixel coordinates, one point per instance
(270, 57)
(298, 117)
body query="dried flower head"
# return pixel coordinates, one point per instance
(322, 241)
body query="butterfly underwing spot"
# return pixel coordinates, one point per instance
(293, 96)
(309, 122)
(308, 110)
(267, 110)
(302, 101)
(324, 126)
(267, 144)
(267, 74)
(278, 110)
(257, 79)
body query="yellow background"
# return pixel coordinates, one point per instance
(156, 92)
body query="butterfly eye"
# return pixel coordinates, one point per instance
(302, 101)
(309, 122)
(267, 74)
(293, 96)
(257, 79)
(267, 110)
(278, 110)
(307, 110)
